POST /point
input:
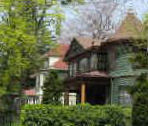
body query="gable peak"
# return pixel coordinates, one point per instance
(129, 28)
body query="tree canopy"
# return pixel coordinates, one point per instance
(139, 90)
(24, 37)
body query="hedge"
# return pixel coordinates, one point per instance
(80, 115)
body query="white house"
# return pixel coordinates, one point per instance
(54, 61)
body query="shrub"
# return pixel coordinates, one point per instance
(81, 115)
(52, 89)
(139, 93)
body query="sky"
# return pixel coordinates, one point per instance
(74, 24)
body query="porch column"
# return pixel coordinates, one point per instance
(83, 93)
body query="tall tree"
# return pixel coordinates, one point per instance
(24, 37)
(139, 90)
(20, 45)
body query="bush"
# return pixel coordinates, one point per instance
(52, 89)
(139, 93)
(81, 115)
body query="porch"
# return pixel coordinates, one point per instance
(93, 88)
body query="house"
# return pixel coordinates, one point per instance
(100, 71)
(30, 98)
(53, 60)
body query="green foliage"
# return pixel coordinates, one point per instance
(141, 56)
(24, 37)
(139, 90)
(65, 2)
(52, 89)
(81, 115)
(128, 115)
(20, 43)
(140, 101)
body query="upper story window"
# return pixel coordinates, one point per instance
(75, 68)
(71, 69)
(83, 65)
(102, 61)
(94, 62)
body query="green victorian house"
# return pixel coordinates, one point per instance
(100, 71)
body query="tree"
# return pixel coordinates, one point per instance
(52, 89)
(139, 90)
(140, 101)
(98, 20)
(20, 43)
(24, 37)
(94, 19)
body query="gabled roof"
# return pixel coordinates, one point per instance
(60, 65)
(60, 50)
(94, 74)
(87, 42)
(81, 44)
(129, 28)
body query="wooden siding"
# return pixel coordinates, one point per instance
(123, 67)
(122, 75)
(120, 84)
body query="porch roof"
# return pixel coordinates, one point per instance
(73, 83)
(29, 92)
(89, 75)
(93, 74)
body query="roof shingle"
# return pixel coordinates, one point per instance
(87, 42)
(60, 64)
(60, 50)
(130, 28)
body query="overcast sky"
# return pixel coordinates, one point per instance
(73, 20)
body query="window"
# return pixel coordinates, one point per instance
(102, 61)
(94, 62)
(83, 65)
(70, 69)
(125, 98)
(74, 68)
